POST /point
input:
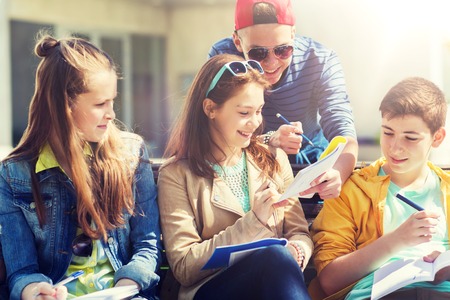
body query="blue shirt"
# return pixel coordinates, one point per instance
(35, 254)
(312, 90)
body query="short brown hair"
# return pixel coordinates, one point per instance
(419, 97)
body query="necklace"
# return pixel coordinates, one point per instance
(236, 178)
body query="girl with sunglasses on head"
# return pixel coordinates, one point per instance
(220, 187)
(77, 193)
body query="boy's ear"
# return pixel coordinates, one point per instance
(237, 42)
(439, 136)
(208, 108)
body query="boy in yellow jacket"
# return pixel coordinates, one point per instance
(368, 225)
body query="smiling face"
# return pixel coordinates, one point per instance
(406, 142)
(93, 111)
(257, 36)
(233, 123)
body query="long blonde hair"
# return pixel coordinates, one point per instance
(62, 75)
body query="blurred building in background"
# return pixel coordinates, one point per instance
(159, 46)
(144, 37)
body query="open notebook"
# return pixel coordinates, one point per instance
(114, 293)
(305, 176)
(225, 256)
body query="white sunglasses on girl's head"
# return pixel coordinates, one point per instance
(236, 68)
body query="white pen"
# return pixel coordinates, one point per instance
(69, 278)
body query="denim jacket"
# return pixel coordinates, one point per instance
(34, 254)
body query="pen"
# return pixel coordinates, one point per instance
(69, 278)
(289, 123)
(409, 202)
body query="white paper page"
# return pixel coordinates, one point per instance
(442, 261)
(304, 177)
(115, 293)
(238, 255)
(399, 274)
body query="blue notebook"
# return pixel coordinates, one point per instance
(225, 256)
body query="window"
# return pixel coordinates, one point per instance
(23, 70)
(140, 105)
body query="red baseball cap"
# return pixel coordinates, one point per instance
(244, 13)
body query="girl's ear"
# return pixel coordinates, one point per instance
(438, 138)
(208, 108)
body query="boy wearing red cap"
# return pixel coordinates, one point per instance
(308, 87)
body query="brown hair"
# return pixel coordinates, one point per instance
(264, 13)
(190, 137)
(419, 97)
(62, 75)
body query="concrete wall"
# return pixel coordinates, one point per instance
(111, 15)
(193, 30)
(379, 42)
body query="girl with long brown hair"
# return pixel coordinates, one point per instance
(221, 187)
(77, 193)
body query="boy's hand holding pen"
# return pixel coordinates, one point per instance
(286, 121)
(289, 138)
(430, 217)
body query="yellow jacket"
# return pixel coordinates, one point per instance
(355, 219)
(199, 214)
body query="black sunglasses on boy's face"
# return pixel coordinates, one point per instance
(260, 53)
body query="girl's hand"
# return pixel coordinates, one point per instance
(44, 291)
(126, 281)
(266, 200)
(417, 229)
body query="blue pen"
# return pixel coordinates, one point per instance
(289, 123)
(69, 278)
(409, 202)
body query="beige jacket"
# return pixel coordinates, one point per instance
(199, 214)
